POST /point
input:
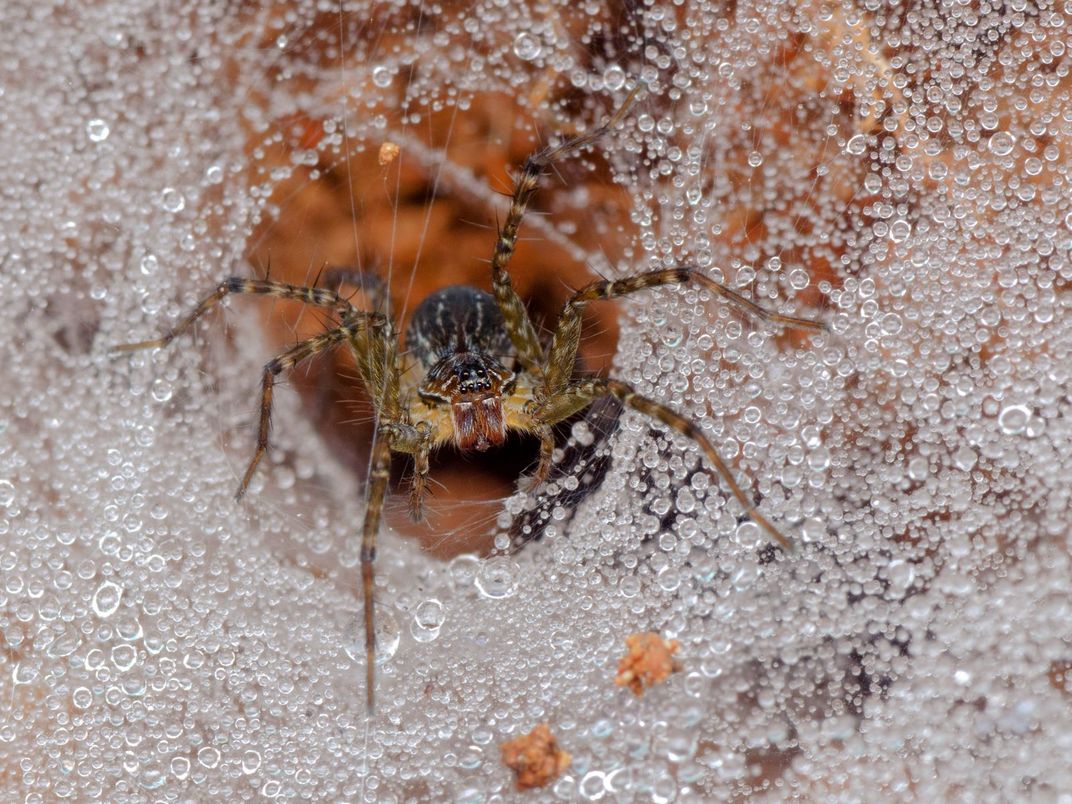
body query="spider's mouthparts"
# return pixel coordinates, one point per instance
(479, 424)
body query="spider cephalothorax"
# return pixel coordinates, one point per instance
(459, 338)
(460, 347)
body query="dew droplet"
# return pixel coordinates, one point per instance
(106, 599)
(208, 757)
(124, 657)
(161, 390)
(527, 47)
(1001, 143)
(382, 76)
(97, 130)
(497, 577)
(918, 468)
(427, 619)
(172, 200)
(1013, 420)
(7, 493)
(82, 697)
(856, 145)
(965, 458)
(900, 231)
(614, 78)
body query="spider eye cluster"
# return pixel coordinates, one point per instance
(465, 377)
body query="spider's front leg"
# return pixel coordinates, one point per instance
(416, 440)
(579, 395)
(561, 395)
(567, 336)
(355, 323)
(376, 492)
(518, 324)
(319, 297)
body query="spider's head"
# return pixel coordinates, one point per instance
(473, 384)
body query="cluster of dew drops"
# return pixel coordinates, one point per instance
(900, 172)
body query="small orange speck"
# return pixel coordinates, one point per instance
(535, 757)
(649, 660)
(388, 153)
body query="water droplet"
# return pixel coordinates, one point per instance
(97, 130)
(900, 575)
(1001, 143)
(900, 231)
(965, 458)
(149, 264)
(856, 145)
(614, 78)
(819, 459)
(82, 697)
(7, 493)
(172, 200)
(214, 174)
(1013, 420)
(755, 159)
(591, 787)
(918, 468)
(527, 47)
(812, 529)
(427, 619)
(161, 390)
(382, 76)
(497, 577)
(180, 767)
(208, 757)
(388, 637)
(106, 599)
(251, 761)
(124, 657)
(463, 571)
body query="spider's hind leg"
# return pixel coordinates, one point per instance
(579, 395)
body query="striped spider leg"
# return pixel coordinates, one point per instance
(558, 394)
(373, 342)
(563, 394)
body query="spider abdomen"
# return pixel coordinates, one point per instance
(455, 320)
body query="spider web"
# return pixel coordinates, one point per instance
(900, 172)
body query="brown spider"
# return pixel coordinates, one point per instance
(473, 369)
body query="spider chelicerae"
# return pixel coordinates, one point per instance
(473, 368)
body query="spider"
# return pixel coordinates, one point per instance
(474, 368)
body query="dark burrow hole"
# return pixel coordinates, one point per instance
(436, 236)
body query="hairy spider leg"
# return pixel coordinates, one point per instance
(374, 344)
(420, 479)
(379, 472)
(518, 324)
(579, 395)
(319, 297)
(567, 334)
(373, 287)
(561, 396)
(355, 322)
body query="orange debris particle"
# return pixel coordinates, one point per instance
(388, 152)
(650, 659)
(535, 757)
